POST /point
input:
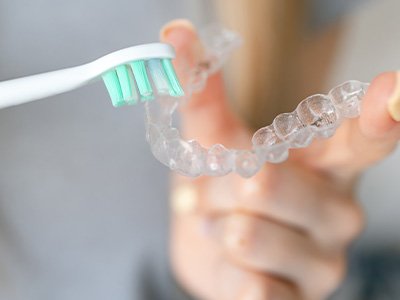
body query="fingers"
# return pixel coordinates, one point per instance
(206, 117)
(182, 35)
(206, 272)
(293, 196)
(251, 257)
(264, 246)
(303, 242)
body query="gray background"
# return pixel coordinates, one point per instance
(82, 201)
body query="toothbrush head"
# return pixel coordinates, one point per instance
(142, 72)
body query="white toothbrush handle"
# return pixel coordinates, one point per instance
(30, 88)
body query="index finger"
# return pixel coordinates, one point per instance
(206, 116)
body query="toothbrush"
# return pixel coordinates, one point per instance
(130, 75)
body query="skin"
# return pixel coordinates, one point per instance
(284, 233)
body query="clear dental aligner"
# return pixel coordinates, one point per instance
(317, 116)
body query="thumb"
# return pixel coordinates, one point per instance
(374, 135)
(380, 132)
(206, 117)
(380, 117)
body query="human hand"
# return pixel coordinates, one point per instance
(282, 234)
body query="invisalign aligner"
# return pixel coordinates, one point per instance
(317, 116)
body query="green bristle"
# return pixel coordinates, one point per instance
(175, 87)
(135, 94)
(125, 83)
(142, 80)
(113, 86)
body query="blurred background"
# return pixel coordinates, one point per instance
(82, 201)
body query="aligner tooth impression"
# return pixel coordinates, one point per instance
(317, 116)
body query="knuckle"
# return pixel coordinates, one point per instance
(241, 234)
(330, 274)
(356, 220)
(347, 219)
(352, 220)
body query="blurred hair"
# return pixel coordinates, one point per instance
(271, 73)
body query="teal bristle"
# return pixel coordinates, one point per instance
(128, 84)
(114, 88)
(175, 87)
(142, 80)
(135, 94)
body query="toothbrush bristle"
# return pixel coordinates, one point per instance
(126, 84)
(142, 80)
(114, 88)
(175, 87)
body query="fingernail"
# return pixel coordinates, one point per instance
(184, 199)
(394, 101)
(183, 36)
(183, 23)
